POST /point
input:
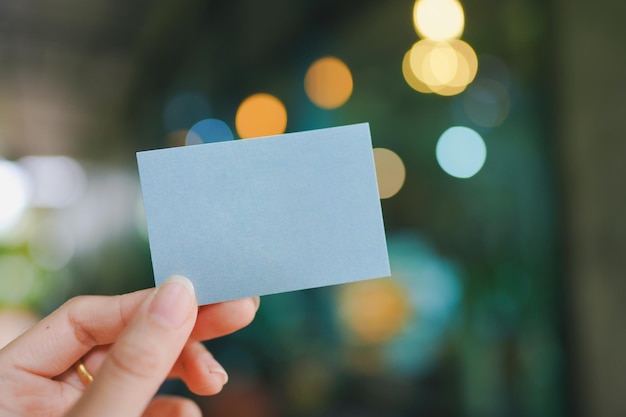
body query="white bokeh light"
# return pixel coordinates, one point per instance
(15, 191)
(461, 152)
(58, 181)
(439, 19)
(52, 245)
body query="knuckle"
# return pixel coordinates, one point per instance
(135, 361)
(74, 302)
(73, 307)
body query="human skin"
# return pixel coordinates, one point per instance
(130, 343)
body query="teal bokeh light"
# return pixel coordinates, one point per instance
(461, 152)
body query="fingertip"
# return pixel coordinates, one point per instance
(212, 384)
(215, 369)
(201, 372)
(174, 302)
(249, 314)
(257, 303)
(183, 280)
(248, 308)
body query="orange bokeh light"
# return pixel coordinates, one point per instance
(328, 83)
(260, 115)
(376, 310)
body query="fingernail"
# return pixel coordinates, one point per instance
(257, 302)
(173, 301)
(216, 368)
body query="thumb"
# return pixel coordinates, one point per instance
(141, 358)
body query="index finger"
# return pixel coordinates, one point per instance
(53, 345)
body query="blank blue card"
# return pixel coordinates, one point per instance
(260, 216)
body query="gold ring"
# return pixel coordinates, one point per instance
(85, 376)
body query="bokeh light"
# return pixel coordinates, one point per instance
(15, 192)
(445, 68)
(439, 19)
(410, 77)
(390, 172)
(58, 181)
(104, 212)
(461, 152)
(192, 138)
(184, 109)
(467, 63)
(406, 317)
(420, 66)
(51, 245)
(208, 131)
(260, 115)
(486, 102)
(328, 83)
(433, 288)
(374, 310)
(441, 64)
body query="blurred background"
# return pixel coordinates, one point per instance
(498, 129)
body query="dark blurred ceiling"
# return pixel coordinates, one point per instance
(74, 74)
(64, 67)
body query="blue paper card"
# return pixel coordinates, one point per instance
(261, 216)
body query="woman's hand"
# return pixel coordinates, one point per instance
(129, 343)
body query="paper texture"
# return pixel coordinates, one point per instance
(267, 215)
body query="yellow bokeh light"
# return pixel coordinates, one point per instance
(328, 83)
(432, 63)
(466, 69)
(418, 61)
(439, 19)
(260, 115)
(468, 63)
(441, 63)
(410, 78)
(375, 310)
(448, 90)
(390, 172)
(446, 68)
